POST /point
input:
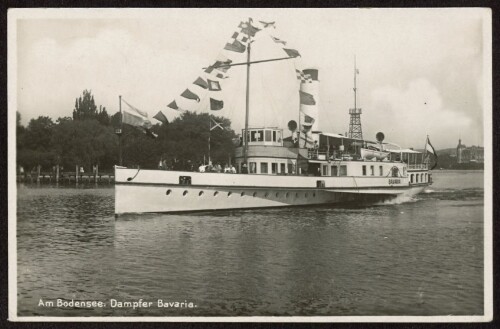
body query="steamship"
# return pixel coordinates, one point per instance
(311, 167)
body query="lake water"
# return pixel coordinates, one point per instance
(421, 257)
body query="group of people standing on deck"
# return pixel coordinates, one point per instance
(228, 169)
(188, 165)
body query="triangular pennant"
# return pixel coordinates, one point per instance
(235, 46)
(161, 117)
(200, 82)
(278, 40)
(267, 24)
(173, 105)
(190, 95)
(291, 52)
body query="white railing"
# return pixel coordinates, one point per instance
(420, 166)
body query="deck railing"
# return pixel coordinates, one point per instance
(419, 166)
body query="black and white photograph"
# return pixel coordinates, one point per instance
(250, 165)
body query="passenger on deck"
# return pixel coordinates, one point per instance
(244, 169)
(233, 170)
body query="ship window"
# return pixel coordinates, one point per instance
(296, 195)
(184, 180)
(216, 193)
(320, 183)
(253, 167)
(201, 193)
(169, 191)
(286, 195)
(364, 170)
(259, 135)
(411, 178)
(254, 194)
(278, 135)
(277, 194)
(274, 168)
(306, 195)
(290, 168)
(265, 195)
(416, 177)
(334, 170)
(242, 193)
(229, 194)
(263, 168)
(325, 170)
(381, 171)
(343, 171)
(282, 168)
(314, 195)
(421, 178)
(185, 192)
(274, 135)
(268, 136)
(253, 137)
(426, 177)
(372, 170)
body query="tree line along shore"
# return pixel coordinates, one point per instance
(87, 140)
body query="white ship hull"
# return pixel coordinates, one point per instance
(157, 191)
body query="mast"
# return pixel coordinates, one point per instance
(120, 132)
(355, 130)
(247, 106)
(355, 89)
(209, 133)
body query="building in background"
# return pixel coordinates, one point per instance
(471, 154)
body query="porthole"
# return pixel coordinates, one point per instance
(216, 193)
(185, 192)
(242, 193)
(277, 194)
(229, 194)
(254, 194)
(201, 193)
(169, 191)
(265, 195)
(286, 195)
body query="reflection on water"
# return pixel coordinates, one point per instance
(417, 258)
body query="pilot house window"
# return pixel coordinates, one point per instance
(364, 170)
(268, 136)
(263, 168)
(274, 168)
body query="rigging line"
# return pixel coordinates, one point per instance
(253, 62)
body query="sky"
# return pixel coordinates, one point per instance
(421, 71)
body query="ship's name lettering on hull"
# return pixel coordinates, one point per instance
(394, 181)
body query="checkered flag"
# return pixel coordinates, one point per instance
(241, 37)
(304, 78)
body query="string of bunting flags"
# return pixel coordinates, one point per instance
(210, 80)
(213, 75)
